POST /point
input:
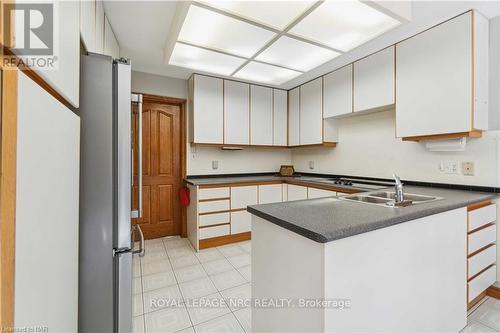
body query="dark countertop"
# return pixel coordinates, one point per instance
(301, 180)
(328, 219)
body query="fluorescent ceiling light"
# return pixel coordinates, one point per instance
(295, 54)
(275, 14)
(205, 28)
(256, 71)
(343, 25)
(204, 60)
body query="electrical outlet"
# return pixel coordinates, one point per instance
(311, 165)
(215, 165)
(468, 168)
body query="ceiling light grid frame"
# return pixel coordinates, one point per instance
(266, 57)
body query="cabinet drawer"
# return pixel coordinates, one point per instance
(242, 196)
(213, 193)
(481, 260)
(481, 282)
(213, 206)
(482, 216)
(211, 219)
(241, 222)
(210, 232)
(313, 193)
(481, 238)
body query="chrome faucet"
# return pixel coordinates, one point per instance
(398, 189)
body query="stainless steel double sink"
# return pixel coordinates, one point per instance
(386, 198)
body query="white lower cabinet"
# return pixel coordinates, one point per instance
(482, 238)
(314, 193)
(270, 193)
(297, 192)
(482, 282)
(241, 221)
(481, 260)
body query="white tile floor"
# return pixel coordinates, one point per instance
(171, 275)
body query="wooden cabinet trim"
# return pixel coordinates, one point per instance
(471, 134)
(223, 240)
(478, 205)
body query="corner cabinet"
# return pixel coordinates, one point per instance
(337, 92)
(280, 117)
(294, 117)
(206, 109)
(442, 80)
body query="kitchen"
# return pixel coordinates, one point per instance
(296, 164)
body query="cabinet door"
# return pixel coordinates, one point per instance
(280, 117)
(270, 193)
(337, 90)
(297, 192)
(261, 115)
(374, 81)
(208, 114)
(243, 196)
(241, 222)
(99, 27)
(111, 46)
(236, 113)
(311, 112)
(293, 116)
(87, 24)
(434, 84)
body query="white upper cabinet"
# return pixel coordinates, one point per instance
(441, 88)
(87, 24)
(280, 101)
(261, 111)
(99, 27)
(111, 46)
(311, 112)
(374, 81)
(293, 117)
(236, 113)
(207, 109)
(337, 98)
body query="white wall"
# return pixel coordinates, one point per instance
(368, 147)
(199, 159)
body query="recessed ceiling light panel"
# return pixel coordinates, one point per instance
(275, 14)
(204, 60)
(296, 54)
(206, 28)
(259, 72)
(343, 25)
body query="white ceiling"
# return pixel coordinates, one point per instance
(143, 27)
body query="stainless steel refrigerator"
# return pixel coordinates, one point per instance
(106, 233)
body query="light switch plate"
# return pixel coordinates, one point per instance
(215, 165)
(311, 165)
(468, 168)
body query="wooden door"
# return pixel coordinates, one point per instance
(161, 168)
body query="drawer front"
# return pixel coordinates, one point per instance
(481, 238)
(213, 193)
(210, 232)
(313, 193)
(212, 219)
(481, 282)
(243, 196)
(481, 260)
(241, 222)
(482, 216)
(213, 206)
(270, 193)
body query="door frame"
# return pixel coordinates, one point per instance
(181, 102)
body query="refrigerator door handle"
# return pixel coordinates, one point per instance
(141, 251)
(137, 98)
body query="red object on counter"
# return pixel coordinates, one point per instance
(184, 196)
